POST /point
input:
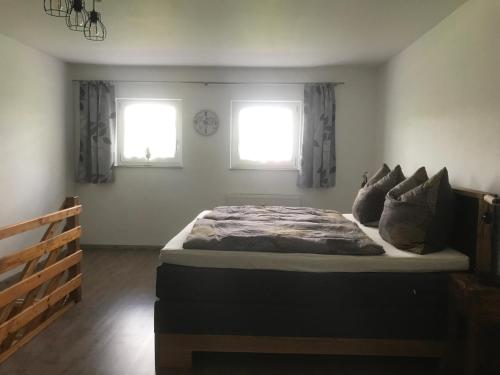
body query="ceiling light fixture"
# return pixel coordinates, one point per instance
(77, 16)
(57, 8)
(94, 28)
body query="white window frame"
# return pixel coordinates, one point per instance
(237, 163)
(175, 162)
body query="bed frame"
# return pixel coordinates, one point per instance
(49, 281)
(472, 235)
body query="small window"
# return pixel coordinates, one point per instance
(149, 132)
(265, 134)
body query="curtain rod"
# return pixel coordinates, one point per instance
(206, 83)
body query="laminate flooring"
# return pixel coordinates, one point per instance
(111, 333)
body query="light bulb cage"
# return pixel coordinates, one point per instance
(77, 16)
(57, 8)
(94, 28)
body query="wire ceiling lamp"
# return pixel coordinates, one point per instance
(77, 17)
(94, 29)
(57, 8)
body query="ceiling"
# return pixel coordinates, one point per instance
(232, 32)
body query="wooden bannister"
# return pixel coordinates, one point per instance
(50, 281)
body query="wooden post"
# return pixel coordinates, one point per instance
(167, 355)
(74, 246)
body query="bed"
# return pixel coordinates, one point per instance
(390, 304)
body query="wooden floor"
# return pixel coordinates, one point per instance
(111, 332)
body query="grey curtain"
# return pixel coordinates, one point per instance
(97, 132)
(318, 162)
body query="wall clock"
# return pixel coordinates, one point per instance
(206, 122)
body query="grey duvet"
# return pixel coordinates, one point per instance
(280, 229)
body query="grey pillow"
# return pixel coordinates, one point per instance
(369, 202)
(418, 178)
(419, 219)
(383, 171)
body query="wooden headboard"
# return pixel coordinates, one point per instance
(473, 229)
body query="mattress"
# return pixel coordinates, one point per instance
(394, 260)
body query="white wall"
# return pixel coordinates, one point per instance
(34, 167)
(146, 206)
(440, 99)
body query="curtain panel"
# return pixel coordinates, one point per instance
(318, 160)
(97, 132)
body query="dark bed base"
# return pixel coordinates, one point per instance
(228, 310)
(300, 304)
(397, 314)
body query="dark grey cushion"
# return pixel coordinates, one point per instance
(419, 219)
(383, 171)
(418, 178)
(369, 202)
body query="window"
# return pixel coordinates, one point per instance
(265, 134)
(149, 132)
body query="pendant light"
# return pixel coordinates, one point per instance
(94, 28)
(57, 8)
(78, 16)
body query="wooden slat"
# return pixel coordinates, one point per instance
(51, 259)
(302, 345)
(484, 251)
(49, 233)
(39, 307)
(72, 247)
(470, 192)
(12, 230)
(492, 199)
(31, 266)
(71, 222)
(23, 287)
(52, 284)
(28, 270)
(174, 350)
(53, 227)
(15, 260)
(25, 339)
(26, 319)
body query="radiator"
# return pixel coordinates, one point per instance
(263, 199)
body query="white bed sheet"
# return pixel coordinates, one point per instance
(393, 260)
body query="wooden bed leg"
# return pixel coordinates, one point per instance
(167, 356)
(176, 359)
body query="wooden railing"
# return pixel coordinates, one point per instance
(50, 280)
